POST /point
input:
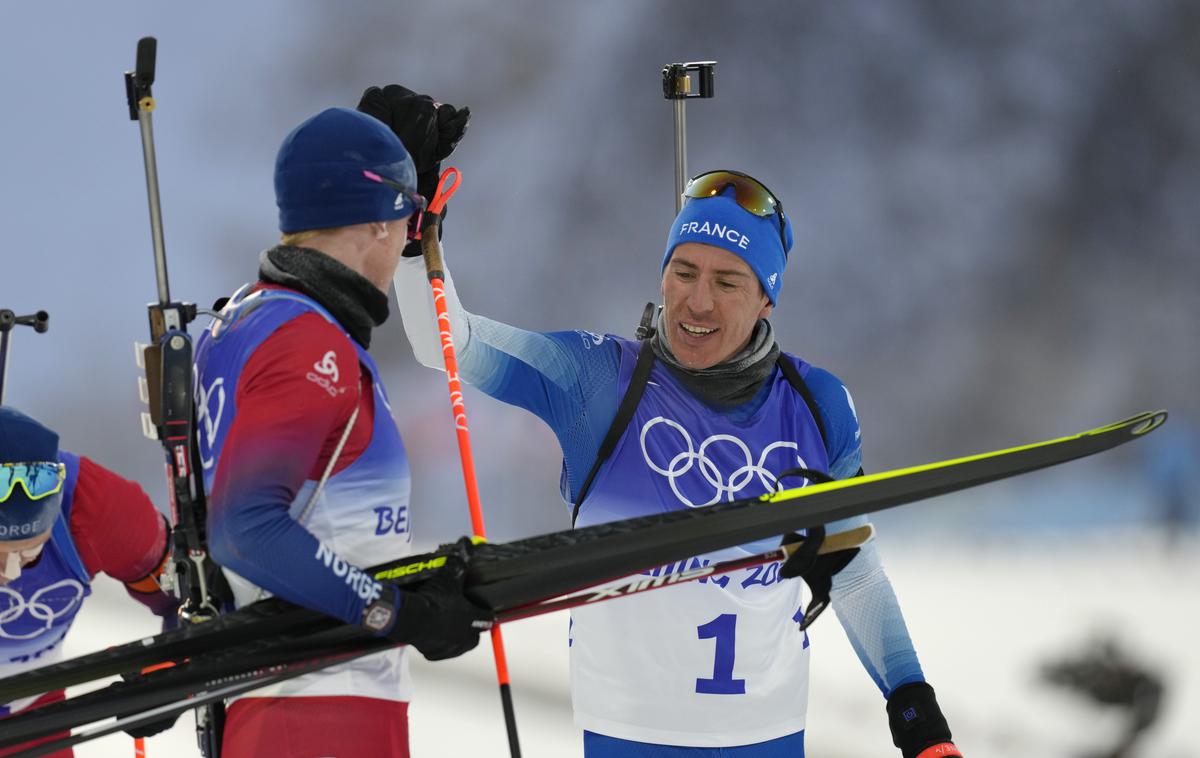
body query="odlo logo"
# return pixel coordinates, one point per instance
(326, 374)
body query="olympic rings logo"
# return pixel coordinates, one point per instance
(39, 607)
(706, 461)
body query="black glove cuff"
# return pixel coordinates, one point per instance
(413, 248)
(915, 719)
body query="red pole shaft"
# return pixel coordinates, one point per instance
(432, 250)
(459, 410)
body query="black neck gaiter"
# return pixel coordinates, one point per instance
(733, 382)
(356, 303)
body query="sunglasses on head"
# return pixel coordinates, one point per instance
(415, 201)
(749, 193)
(39, 480)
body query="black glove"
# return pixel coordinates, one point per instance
(816, 570)
(918, 727)
(435, 617)
(151, 728)
(429, 130)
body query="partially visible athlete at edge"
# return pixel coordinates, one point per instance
(63, 520)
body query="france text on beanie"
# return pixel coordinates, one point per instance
(721, 222)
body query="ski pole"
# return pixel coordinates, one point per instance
(677, 87)
(40, 322)
(435, 270)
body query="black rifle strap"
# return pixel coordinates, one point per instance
(792, 374)
(629, 404)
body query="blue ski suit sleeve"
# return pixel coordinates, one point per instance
(567, 379)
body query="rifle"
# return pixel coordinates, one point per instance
(167, 389)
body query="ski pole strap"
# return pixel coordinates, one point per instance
(629, 404)
(446, 187)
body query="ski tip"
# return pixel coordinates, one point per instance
(1141, 424)
(1153, 420)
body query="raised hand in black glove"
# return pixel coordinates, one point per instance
(429, 130)
(918, 727)
(435, 617)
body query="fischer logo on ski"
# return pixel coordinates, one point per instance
(412, 568)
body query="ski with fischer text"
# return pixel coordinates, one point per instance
(521, 579)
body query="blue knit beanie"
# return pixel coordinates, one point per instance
(319, 173)
(23, 440)
(721, 222)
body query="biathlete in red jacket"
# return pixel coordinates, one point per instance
(64, 519)
(307, 476)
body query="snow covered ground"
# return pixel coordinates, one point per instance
(985, 618)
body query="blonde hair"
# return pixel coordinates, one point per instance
(296, 239)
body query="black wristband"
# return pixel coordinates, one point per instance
(915, 719)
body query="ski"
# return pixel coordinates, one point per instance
(535, 575)
(549, 557)
(512, 574)
(133, 704)
(206, 679)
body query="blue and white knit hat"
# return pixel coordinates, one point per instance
(721, 222)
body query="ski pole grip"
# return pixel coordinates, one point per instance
(147, 51)
(431, 251)
(431, 247)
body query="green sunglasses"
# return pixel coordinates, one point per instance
(39, 480)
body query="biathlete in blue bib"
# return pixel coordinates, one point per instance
(64, 519)
(716, 667)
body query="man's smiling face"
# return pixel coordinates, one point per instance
(711, 302)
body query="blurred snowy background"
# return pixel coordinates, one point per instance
(997, 208)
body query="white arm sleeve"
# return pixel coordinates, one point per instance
(415, 297)
(866, 605)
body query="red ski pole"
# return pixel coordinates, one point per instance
(434, 269)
